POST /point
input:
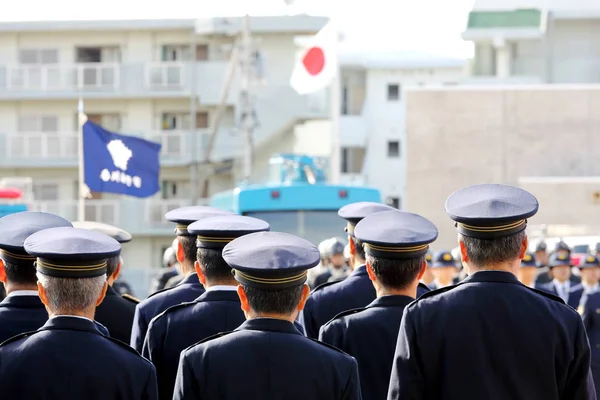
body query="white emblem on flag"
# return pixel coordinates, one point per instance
(120, 153)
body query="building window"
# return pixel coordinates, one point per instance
(45, 191)
(393, 92)
(38, 56)
(393, 148)
(175, 189)
(352, 160)
(181, 121)
(393, 202)
(37, 123)
(110, 122)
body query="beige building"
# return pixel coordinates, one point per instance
(159, 79)
(542, 138)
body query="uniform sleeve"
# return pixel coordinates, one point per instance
(151, 391)
(185, 383)
(352, 390)
(306, 320)
(580, 384)
(407, 382)
(138, 329)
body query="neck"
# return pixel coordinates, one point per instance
(187, 270)
(410, 291)
(358, 263)
(512, 267)
(562, 280)
(13, 287)
(590, 283)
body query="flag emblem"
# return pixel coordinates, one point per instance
(120, 153)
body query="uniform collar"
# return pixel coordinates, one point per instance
(110, 291)
(23, 293)
(362, 270)
(491, 276)
(391, 301)
(190, 279)
(219, 295)
(22, 302)
(222, 288)
(270, 325)
(70, 322)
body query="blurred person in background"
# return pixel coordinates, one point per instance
(169, 270)
(336, 267)
(444, 270)
(560, 268)
(428, 277)
(590, 275)
(526, 274)
(322, 267)
(347, 255)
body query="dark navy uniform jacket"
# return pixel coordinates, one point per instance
(491, 337)
(20, 314)
(116, 313)
(188, 290)
(68, 358)
(369, 334)
(330, 299)
(266, 359)
(574, 294)
(183, 325)
(591, 320)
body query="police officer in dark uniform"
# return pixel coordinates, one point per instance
(217, 310)
(561, 285)
(267, 357)
(527, 271)
(444, 270)
(168, 271)
(590, 310)
(336, 266)
(590, 274)
(491, 337)
(190, 288)
(116, 311)
(395, 263)
(71, 358)
(332, 298)
(22, 311)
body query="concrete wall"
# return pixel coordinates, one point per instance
(463, 136)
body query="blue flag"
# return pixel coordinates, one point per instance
(116, 163)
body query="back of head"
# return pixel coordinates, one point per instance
(71, 267)
(491, 220)
(272, 269)
(396, 246)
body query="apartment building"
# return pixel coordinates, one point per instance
(535, 41)
(159, 79)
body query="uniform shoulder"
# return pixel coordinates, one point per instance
(546, 295)
(126, 347)
(130, 298)
(434, 293)
(330, 348)
(158, 292)
(324, 285)
(17, 338)
(345, 314)
(177, 308)
(576, 288)
(208, 339)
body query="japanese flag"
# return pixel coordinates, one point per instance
(317, 64)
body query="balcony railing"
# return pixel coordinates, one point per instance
(83, 76)
(156, 209)
(165, 75)
(45, 145)
(106, 211)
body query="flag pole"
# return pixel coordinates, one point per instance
(336, 107)
(81, 191)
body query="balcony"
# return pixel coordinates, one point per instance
(107, 80)
(50, 149)
(142, 217)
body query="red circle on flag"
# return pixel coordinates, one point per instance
(314, 61)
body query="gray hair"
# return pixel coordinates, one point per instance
(485, 253)
(69, 295)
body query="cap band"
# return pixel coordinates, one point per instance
(70, 271)
(395, 252)
(491, 232)
(182, 230)
(270, 283)
(17, 257)
(206, 242)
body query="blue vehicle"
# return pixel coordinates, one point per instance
(296, 199)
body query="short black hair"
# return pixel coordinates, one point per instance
(22, 272)
(111, 265)
(396, 273)
(483, 253)
(189, 247)
(280, 301)
(213, 265)
(358, 248)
